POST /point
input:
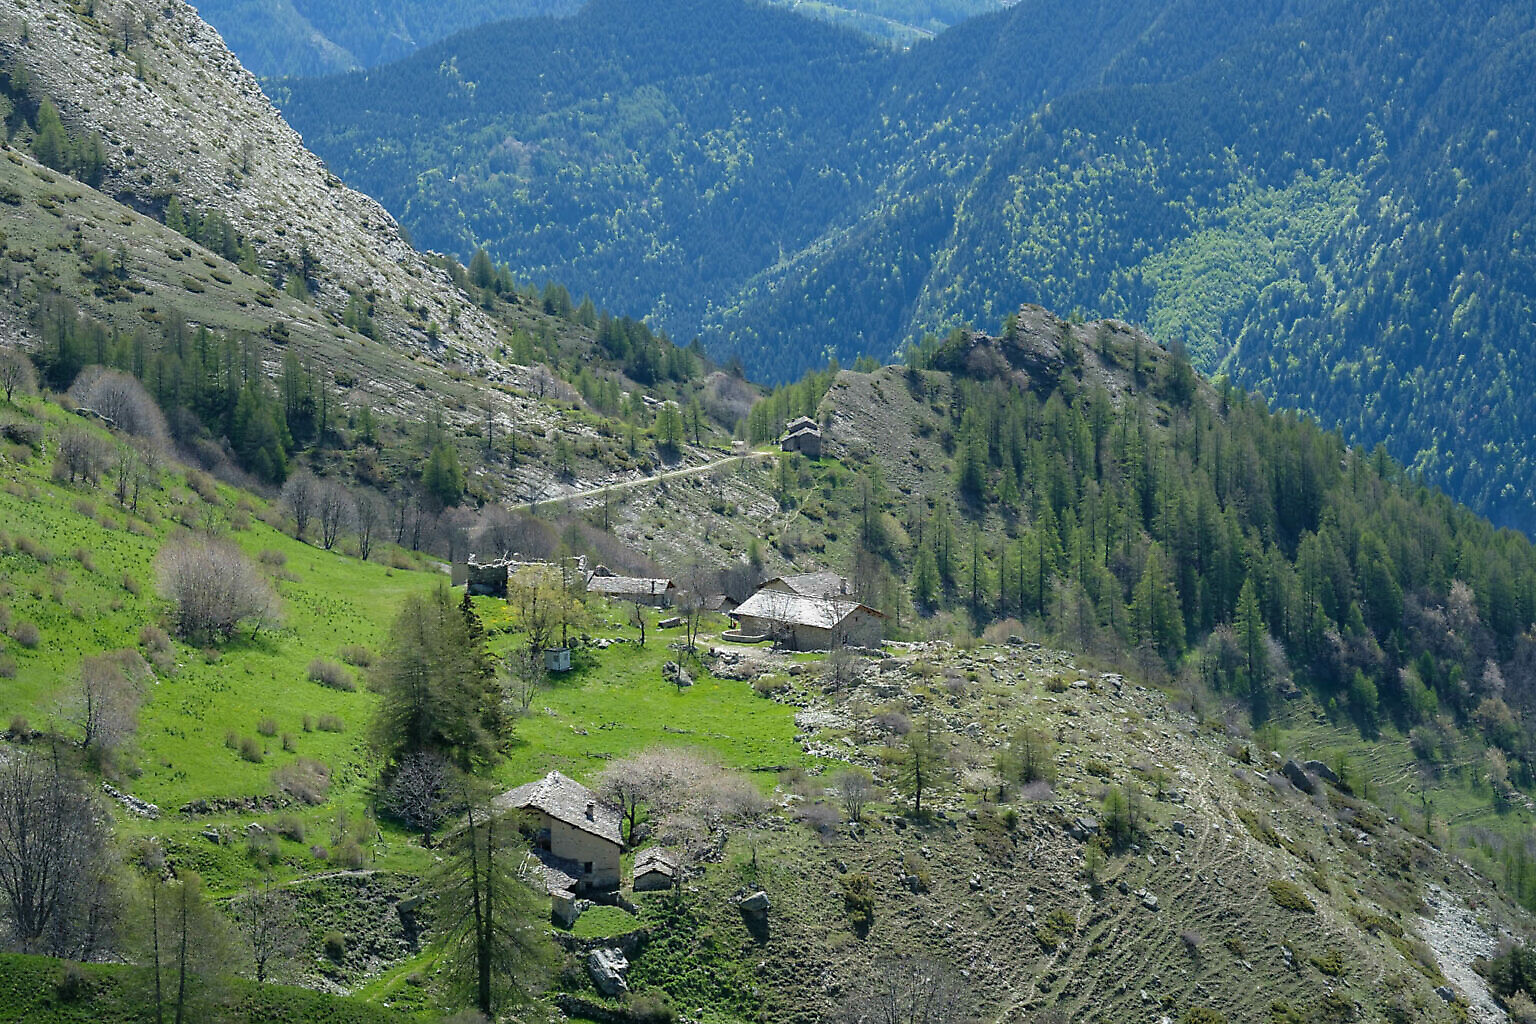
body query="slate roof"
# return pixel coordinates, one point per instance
(798, 610)
(628, 586)
(799, 423)
(655, 859)
(566, 800)
(814, 584)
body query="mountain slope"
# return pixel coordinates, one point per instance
(183, 118)
(276, 38)
(317, 37)
(1299, 191)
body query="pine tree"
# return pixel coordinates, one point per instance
(482, 273)
(51, 145)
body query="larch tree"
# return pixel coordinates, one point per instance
(437, 686)
(492, 920)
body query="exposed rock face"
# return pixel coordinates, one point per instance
(198, 125)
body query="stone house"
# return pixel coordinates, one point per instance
(658, 593)
(576, 836)
(803, 436)
(802, 623)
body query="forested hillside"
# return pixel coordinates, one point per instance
(1325, 200)
(275, 38)
(319, 37)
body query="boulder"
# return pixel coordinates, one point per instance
(607, 968)
(757, 903)
(1298, 777)
(1322, 771)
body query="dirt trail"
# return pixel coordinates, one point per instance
(671, 474)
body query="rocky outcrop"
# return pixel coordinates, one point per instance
(178, 114)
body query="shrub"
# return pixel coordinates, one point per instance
(73, 984)
(335, 945)
(130, 584)
(328, 673)
(267, 726)
(275, 559)
(1330, 963)
(290, 827)
(1059, 926)
(357, 655)
(7, 667)
(250, 750)
(33, 550)
(1522, 1010)
(1289, 895)
(86, 559)
(308, 723)
(261, 848)
(21, 728)
(918, 877)
(231, 739)
(289, 743)
(349, 854)
(650, 1008)
(858, 901)
(304, 779)
(332, 723)
(1202, 1015)
(213, 588)
(319, 852)
(26, 634)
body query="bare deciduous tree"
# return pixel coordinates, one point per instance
(697, 583)
(213, 588)
(367, 519)
(82, 455)
(106, 702)
(301, 494)
(855, 789)
(334, 507)
(16, 373)
(909, 990)
(121, 400)
(649, 783)
(268, 922)
(54, 859)
(421, 793)
(525, 675)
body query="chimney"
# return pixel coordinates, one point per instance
(591, 807)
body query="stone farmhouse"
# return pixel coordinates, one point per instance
(804, 436)
(803, 623)
(577, 837)
(658, 593)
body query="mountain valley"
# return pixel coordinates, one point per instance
(319, 552)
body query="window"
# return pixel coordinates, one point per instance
(587, 868)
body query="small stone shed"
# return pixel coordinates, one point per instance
(655, 869)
